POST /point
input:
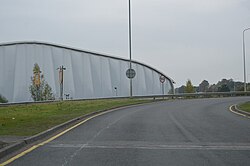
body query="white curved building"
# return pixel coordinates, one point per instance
(87, 74)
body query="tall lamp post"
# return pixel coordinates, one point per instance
(130, 52)
(244, 59)
(130, 73)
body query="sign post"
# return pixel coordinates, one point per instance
(61, 69)
(162, 80)
(130, 48)
(130, 73)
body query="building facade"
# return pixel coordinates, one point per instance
(87, 75)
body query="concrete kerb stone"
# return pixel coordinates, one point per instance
(19, 145)
(54, 129)
(50, 131)
(237, 111)
(241, 111)
(12, 148)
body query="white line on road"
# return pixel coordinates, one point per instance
(208, 146)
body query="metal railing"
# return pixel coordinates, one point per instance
(168, 96)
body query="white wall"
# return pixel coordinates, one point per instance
(87, 75)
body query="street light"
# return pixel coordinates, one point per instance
(130, 52)
(244, 59)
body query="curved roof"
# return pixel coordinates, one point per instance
(80, 50)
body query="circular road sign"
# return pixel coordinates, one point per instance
(130, 73)
(162, 79)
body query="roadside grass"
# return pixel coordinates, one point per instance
(245, 106)
(30, 119)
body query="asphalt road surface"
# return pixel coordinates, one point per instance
(196, 132)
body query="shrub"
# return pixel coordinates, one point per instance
(3, 99)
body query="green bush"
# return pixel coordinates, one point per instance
(3, 99)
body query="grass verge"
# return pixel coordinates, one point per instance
(30, 119)
(245, 106)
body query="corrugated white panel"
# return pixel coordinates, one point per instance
(106, 77)
(9, 72)
(2, 70)
(96, 75)
(115, 70)
(87, 75)
(69, 87)
(49, 70)
(124, 86)
(20, 88)
(139, 81)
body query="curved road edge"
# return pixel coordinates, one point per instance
(11, 152)
(234, 109)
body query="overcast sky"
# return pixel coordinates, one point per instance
(185, 39)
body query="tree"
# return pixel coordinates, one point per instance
(40, 89)
(223, 88)
(212, 88)
(189, 87)
(3, 99)
(204, 85)
(180, 89)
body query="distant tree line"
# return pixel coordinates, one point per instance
(225, 85)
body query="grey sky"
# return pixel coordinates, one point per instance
(185, 39)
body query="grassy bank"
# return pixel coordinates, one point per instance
(245, 106)
(27, 120)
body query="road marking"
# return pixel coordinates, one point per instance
(149, 146)
(231, 110)
(175, 147)
(51, 139)
(141, 147)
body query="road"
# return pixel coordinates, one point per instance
(180, 132)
